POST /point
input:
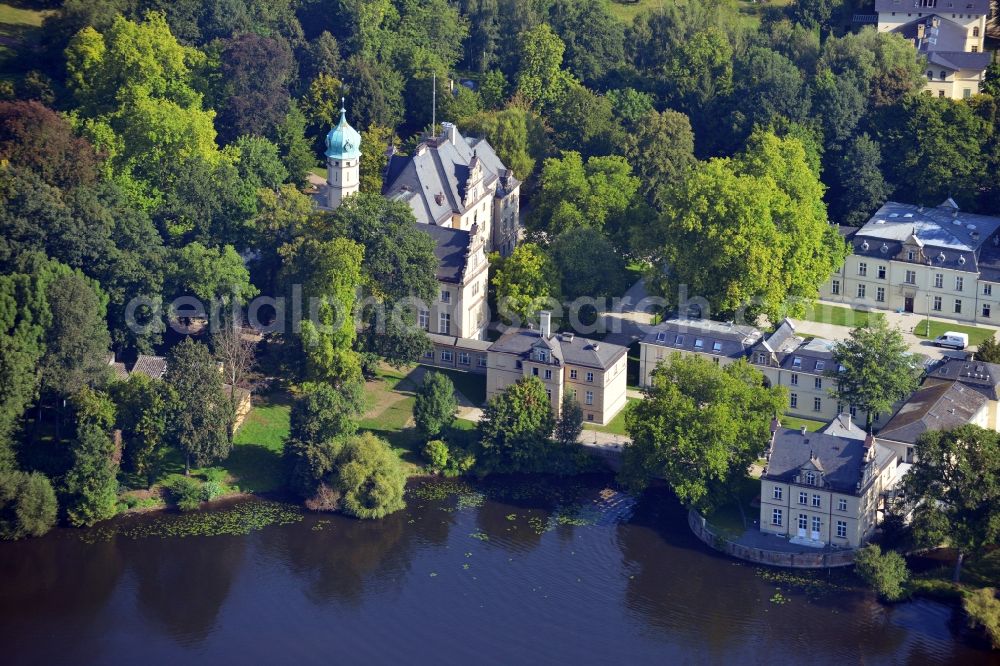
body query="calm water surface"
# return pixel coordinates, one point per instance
(523, 572)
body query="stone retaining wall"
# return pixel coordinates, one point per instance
(775, 558)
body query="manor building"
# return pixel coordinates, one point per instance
(937, 261)
(949, 33)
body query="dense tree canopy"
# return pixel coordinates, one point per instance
(516, 428)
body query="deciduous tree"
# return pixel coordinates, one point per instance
(516, 428)
(525, 282)
(569, 425)
(200, 414)
(369, 478)
(435, 406)
(878, 368)
(699, 426)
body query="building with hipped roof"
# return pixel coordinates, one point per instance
(722, 342)
(977, 375)
(593, 372)
(950, 34)
(827, 488)
(926, 260)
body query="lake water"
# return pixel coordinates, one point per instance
(502, 573)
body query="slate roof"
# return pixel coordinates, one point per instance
(153, 367)
(841, 459)
(470, 344)
(814, 355)
(432, 180)
(716, 338)
(959, 60)
(983, 377)
(938, 405)
(948, 237)
(450, 248)
(949, 6)
(565, 351)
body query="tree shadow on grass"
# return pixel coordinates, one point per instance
(255, 468)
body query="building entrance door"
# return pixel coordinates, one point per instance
(908, 304)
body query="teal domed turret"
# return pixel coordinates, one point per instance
(343, 142)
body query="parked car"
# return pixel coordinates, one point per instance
(953, 340)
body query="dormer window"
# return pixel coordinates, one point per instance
(811, 478)
(661, 337)
(543, 355)
(679, 340)
(797, 362)
(820, 365)
(716, 346)
(699, 343)
(445, 296)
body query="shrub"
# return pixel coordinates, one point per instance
(886, 573)
(983, 610)
(215, 474)
(212, 489)
(436, 453)
(369, 478)
(186, 492)
(27, 505)
(434, 409)
(460, 462)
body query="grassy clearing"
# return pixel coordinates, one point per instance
(391, 415)
(976, 335)
(727, 519)
(832, 314)
(255, 462)
(617, 425)
(796, 423)
(17, 27)
(471, 385)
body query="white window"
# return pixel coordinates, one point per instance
(777, 492)
(835, 287)
(572, 374)
(661, 337)
(429, 355)
(911, 277)
(424, 319)
(811, 478)
(699, 343)
(795, 379)
(816, 500)
(841, 505)
(862, 269)
(816, 524)
(590, 376)
(820, 365)
(841, 529)
(797, 362)
(776, 517)
(818, 383)
(880, 294)
(463, 358)
(548, 374)
(716, 346)
(679, 340)
(881, 272)
(986, 310)
(761, 357)
(910, 255)
(446, 356)
(987, 290)
(481, 361)
(803, 498)
(590, 397)
(444, 323)
(937, 304)
(959, 283)
(958, 306)
(793, 400)
(543, 355)
(803, 521)
(938, 281)
(817, 405)
(861, 291)
(445, 296)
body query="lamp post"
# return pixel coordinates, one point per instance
(927, 329)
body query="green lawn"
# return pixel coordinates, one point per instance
(832, 314)
(617, 425)
(255, 462)
(796, 423)
(469, 384)
(727, 519)
(17, 25)
(976, 335)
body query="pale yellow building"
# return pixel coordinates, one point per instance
(822, 489)
(459, 307)
(926, 260)
(949, 33)
(721, 342)
(593, 372)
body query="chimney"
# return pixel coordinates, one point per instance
(567, 337)
(545, 323)
(450, 132)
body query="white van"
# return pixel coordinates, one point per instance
(953, 340)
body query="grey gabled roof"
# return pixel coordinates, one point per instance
(959, 60)
(432, 180)
(716, 338)
(949, 6)
(153, 367)
(450, 248)
(841, 459)
(575, 351)
(815, 356)
(938, 405)
(984, 377)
